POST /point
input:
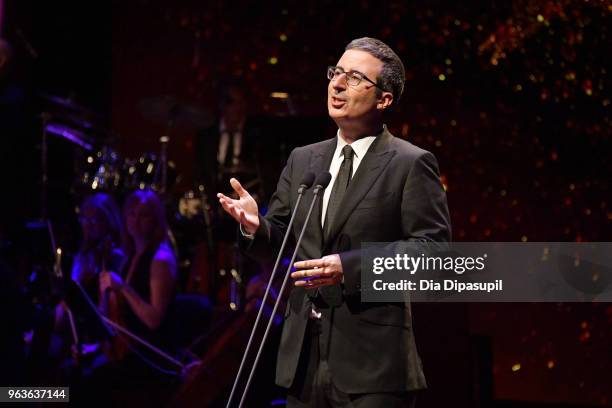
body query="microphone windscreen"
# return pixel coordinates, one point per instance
(307, 180)
(323, 179)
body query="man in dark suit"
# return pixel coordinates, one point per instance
(230, 145)
(335, 350)
(229, 148)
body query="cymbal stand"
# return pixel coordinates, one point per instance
(163, 155)
(210, 242)
(44, 179)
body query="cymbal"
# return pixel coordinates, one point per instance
(72, 114)
(68, 103)
(169, 110)
(72, 135)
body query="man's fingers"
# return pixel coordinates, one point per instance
(231, 210)
(226, 206)
(225, 199)
(310, 263)
(323, 272)
(238, 188)
(316, 283)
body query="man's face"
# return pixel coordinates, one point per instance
(354, 103)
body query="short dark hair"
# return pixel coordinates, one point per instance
(393, 74)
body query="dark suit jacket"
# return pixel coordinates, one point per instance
(395, 195)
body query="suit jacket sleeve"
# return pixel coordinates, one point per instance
(424, 217)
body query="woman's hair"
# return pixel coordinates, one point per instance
(151, 199)
(106, 206)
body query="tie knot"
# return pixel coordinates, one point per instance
(348, 152)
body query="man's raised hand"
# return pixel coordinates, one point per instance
(244, 209)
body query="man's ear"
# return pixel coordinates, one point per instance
(384, 101)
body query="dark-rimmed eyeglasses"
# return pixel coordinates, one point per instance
(353, 78)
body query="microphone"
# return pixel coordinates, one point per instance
(305, 184)
(321, 183)
(307, 181)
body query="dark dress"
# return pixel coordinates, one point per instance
(140, 283)
(140, 378)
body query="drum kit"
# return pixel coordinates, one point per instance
(103, 169)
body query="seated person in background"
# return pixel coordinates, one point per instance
(136, 297)
(140, 297)
(102, 237)
(100, 249)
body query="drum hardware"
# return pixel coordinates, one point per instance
(193, 224)
(75, 136)
(45, 117)
(103, 171)
(235, 290)
(143, 172)
(205, 208)
(171, 112)
(67, 104)
(163, 155)
(79, 120)
(164, 140)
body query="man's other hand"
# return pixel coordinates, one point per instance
(315, 273)
(244, 209)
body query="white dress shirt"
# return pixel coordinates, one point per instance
(360, 147)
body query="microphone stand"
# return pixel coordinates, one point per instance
(318, 188)
(301, 190)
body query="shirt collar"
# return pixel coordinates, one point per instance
(360, 146)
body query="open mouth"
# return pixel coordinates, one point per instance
(337, 103)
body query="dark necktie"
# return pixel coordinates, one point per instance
(339, 189)
(332, 295)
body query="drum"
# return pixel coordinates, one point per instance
(145, 172)
(191, 205)
(102, 171)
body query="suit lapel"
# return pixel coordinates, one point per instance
(374, 162)
(319, 163)
(320, 160)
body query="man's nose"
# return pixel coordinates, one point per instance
(339, 81)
